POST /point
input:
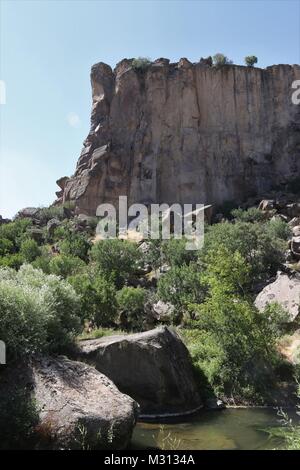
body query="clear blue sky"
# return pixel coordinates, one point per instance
(48, 47)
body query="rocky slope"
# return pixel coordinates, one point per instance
(187, 133)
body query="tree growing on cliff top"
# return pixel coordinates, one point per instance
(220, 59)
(141, 63)
(250, 60)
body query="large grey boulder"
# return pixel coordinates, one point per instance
(285, 290)
(153, 367)
(78, 407)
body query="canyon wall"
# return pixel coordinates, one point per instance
(186, 133)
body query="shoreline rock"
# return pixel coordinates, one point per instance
(153, 367)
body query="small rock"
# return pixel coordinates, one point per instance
(214, 404)
(52, 225)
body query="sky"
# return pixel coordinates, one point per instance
(47, 48)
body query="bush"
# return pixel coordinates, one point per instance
(221, 59)
(181, 286)
(29, 250)
(236, 344)
(13, 261)
(141, 63)
(131, 302)
(47, 213)
(263, 252)
(6, 246)
(250, 215)
(279, 229)
(15, 231)
(175, 253)
(75, 244)
(64, 265)
(116, 259)
(98, 298)
(250, 60)
(39, 313)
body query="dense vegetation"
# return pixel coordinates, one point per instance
(54, 285)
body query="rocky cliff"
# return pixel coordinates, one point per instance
(187, 133)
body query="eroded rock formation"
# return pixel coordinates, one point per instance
(187, 133)
(153, 367)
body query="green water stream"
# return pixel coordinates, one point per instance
(226, 429)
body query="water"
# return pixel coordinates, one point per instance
(223, 429)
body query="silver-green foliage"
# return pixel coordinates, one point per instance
(38, 312)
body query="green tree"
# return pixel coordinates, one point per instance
(131, 302)
(141, 63)
(116, 259)
(181, 286)
(98, 298)
(263, 252)
(64, 265)
(6, 246)
(220, 59)
(251, 60)
(236, 344)
(30, 250)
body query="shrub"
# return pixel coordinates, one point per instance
(235, 344)
(6, 246)
(64, 265)
(250, 215)
(277, 228)
(39, 313)
(29, 250)
(52, 212)
(221, 59)
(75, 244)
(116, 259)
(98, 298)
(181, 286)
(131, 301)
(141, 63)
(250, 60)
(13, 261)
(263, 252)
(175, 253)
(15, 231)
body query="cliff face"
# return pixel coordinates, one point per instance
(187, 133)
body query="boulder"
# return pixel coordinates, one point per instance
(285, 290)
(4, 221)
(28, 212)
(294, 222)
(78, 407)
(153, 367)
(52, 224)
(266, 205)
(295, 247)
(296, 231)
(163, 311)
